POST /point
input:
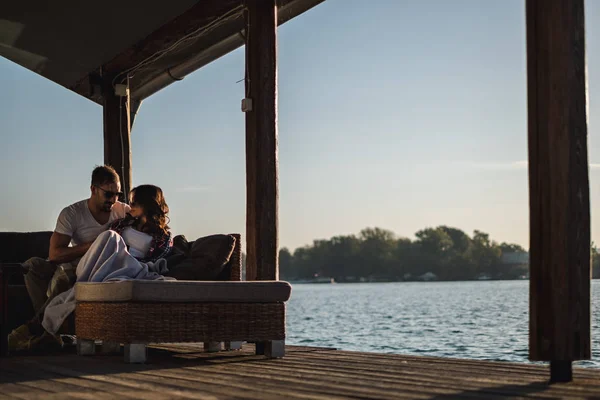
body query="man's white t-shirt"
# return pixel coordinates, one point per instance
(78, 222)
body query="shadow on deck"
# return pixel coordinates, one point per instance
(186, 371)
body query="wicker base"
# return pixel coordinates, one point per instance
(180, 322)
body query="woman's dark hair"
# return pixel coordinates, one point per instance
(152, 200)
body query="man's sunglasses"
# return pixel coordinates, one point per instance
(108, 194)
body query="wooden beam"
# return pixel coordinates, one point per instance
(213, 43)
(558, 184)
(262, 182)
(165, 36)
(117, 135)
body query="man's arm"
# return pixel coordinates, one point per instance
(60, 252)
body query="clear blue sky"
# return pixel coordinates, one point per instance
(396, 114)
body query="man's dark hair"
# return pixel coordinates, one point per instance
(104, 174)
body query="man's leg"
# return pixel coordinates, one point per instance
(62, 280)
(44, 282)
(37, 278)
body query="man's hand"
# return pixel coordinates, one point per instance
(60, 252)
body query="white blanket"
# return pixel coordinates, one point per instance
(107, 260)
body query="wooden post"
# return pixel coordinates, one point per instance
(117, 136)
(261, 141)
(558, 183)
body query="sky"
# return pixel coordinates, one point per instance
(398, 114)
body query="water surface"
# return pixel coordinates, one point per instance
(477, 320)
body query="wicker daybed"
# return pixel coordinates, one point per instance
(136, 313)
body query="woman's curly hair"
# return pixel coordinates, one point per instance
(152, 201)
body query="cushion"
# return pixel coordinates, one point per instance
(181, 245)
(179, 251)
(17, 247)
(206, 258)
(184, 291)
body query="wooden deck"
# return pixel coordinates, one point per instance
(185, 371)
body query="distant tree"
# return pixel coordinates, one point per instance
(285, 264)
(344, 256)
(595, 256)
(243, 266)
(486, 254)
(302, 263)
(432, 252)
(377, 253)
(511, 248)
(460, 240)
(403, 258)
(434, 241)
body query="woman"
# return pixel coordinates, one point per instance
(145, 229)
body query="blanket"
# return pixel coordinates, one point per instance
(107, 260)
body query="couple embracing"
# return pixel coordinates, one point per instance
(98, 239)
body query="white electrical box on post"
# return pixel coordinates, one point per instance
(246, 105)
(121, 90)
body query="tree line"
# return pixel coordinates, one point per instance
(375, 254)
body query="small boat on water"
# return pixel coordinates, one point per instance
(318, 279)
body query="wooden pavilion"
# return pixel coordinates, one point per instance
(119, 53)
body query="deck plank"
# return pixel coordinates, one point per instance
(185, 371)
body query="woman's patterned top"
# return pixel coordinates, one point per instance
(161, 243)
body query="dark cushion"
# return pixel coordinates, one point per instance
(181, 245)
(17, 247)
(206, 259)
(179, 251)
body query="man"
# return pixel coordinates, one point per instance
(77, 227)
